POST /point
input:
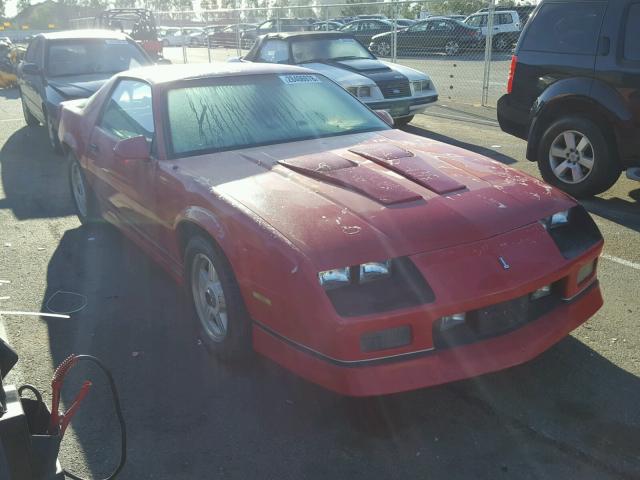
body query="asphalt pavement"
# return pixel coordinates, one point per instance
(571, 413)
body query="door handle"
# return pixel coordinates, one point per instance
(93, 148)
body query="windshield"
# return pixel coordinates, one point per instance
(322, 49)
(87, 56)
(237, 112)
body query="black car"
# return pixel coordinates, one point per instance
(437, 34)
(364, 30)
(229, 35)
(574, 93)
(276, 25)
(68, 65)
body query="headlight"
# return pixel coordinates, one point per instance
(335, 278)
(361, 91)
(556, 220)
(374, 270)
(420, 86)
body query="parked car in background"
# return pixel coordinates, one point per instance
(402, 91)
(387, 261)
(229, 35)
(574, 93)
(327, 26)
(180, 36)
(375, 16)
(437, 34)
(276, 25)
(66, 65)
(506, 27)
(404, 22)
(524, 11)
(201, 37)
(457, 17)
(364, 30)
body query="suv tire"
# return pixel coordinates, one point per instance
(575, 156)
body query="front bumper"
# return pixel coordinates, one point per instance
(404, 107)
(430, 367)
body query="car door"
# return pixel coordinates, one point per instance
(125, 187)
(32, 84)
(415, 38)
(440, 32)
(618, 66)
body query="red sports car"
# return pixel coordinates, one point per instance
(363, 258)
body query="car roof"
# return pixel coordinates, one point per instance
(288, 35)
(163, 74)
(84, 34)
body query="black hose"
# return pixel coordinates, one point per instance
(118, 409)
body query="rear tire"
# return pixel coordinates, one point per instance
(29, 119)
(84, 199)
(217, 308)
(383, 49)
(576, 156)
(452, 48)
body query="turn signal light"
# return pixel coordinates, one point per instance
(512, 73)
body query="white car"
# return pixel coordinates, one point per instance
(177, 37)
(401, 91)
(506, 27)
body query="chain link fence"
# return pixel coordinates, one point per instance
(463, 45)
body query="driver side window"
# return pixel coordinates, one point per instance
(129, 111)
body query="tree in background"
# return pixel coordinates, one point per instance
(1, 8)
(125, 4)
(459, 7)
(208, 5)
(353, 8)
(23, 5)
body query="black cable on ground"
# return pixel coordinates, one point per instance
(118, 409)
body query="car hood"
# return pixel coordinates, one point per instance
(78, 86)
(357, 198)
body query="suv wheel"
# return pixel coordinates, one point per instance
(383, 49)
(575, 156)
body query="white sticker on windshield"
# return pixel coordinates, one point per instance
(293, 79)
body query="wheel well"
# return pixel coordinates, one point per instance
(566, 108)
(187, 229)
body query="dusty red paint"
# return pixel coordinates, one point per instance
(282, 213)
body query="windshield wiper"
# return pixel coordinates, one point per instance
(351, 57)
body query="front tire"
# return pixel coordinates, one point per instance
(576, 156)
(83, 197)
(402, 122)
(52, 134)
(383, 49)
(218, 309)
(29, 119)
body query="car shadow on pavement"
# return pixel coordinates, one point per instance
(487, 152)
(618, 210)
(9, 93)
(27, 164)
(570, 413)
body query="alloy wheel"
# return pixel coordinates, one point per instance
(571, 157)
(451, 48)
(209, 298)
(383, 49)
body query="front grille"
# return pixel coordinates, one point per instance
(496, 320)
(395, 88)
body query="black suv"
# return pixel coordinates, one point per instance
(574, 93)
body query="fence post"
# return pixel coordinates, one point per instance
(394, 42)
(238, 38)
(488, 50)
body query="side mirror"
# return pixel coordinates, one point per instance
(234, 59)
(134, 148)
(163, 61)
(30, 69)
(385, 117)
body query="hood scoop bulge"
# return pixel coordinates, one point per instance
(332, 168)
(413, 167)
